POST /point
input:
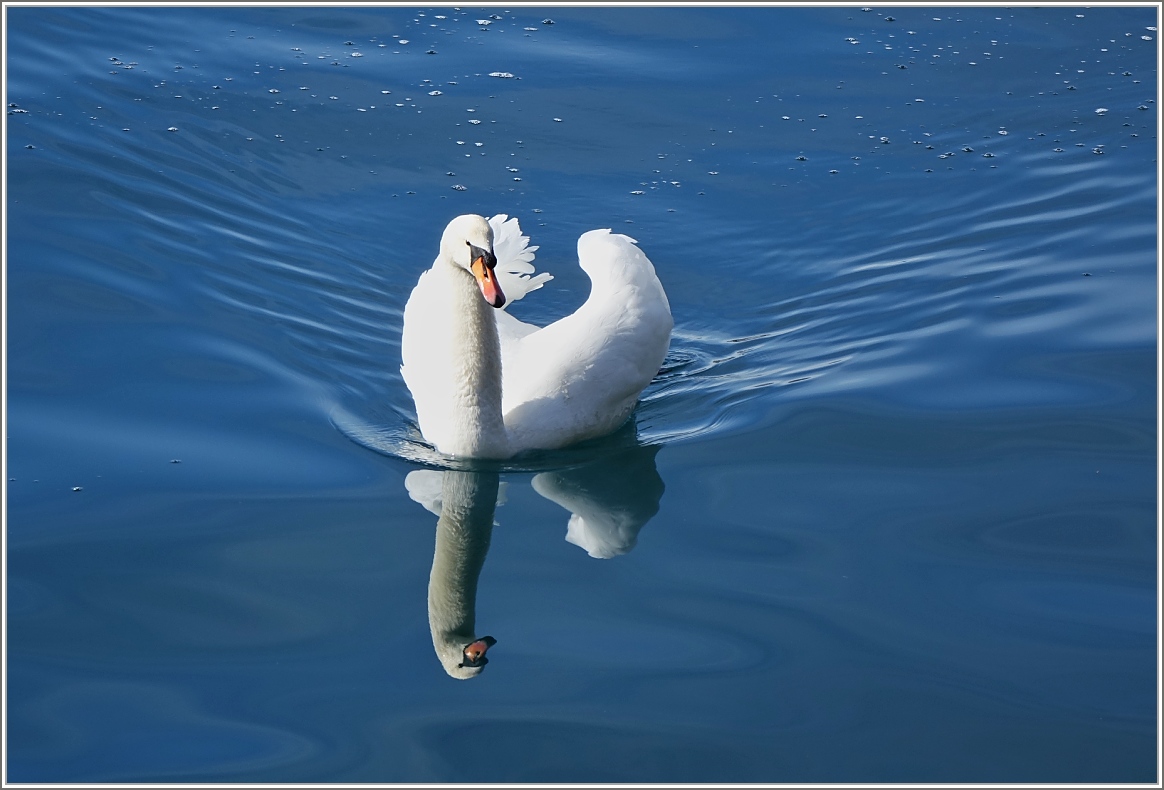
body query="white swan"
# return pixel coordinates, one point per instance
(487, 385)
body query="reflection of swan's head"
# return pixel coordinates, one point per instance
(463, 661)
(468, 243)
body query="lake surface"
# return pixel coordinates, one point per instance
(888, 514)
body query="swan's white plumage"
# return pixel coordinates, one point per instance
(514, 259)
(576, 379)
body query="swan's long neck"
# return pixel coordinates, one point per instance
(462, 540)
(475, 364)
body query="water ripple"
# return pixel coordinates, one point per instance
(290, 242)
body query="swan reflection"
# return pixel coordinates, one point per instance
(609, 499)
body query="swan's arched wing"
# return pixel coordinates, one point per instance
(581, 376)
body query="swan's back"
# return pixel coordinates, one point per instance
(580, 376)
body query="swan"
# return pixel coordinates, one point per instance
(487, 385)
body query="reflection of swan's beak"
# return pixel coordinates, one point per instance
(474, 654)
(483, 265)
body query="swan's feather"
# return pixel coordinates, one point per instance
(514, 271)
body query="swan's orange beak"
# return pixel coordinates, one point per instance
(483, 264)
(474, 654)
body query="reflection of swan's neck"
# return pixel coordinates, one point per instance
(462, 540)
(475, 365)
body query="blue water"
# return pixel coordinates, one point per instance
(888, 514)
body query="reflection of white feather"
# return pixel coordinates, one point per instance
(602, 538)
(609, 501)
(424, 487)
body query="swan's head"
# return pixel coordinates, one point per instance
(468, 243)
(465, 661)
